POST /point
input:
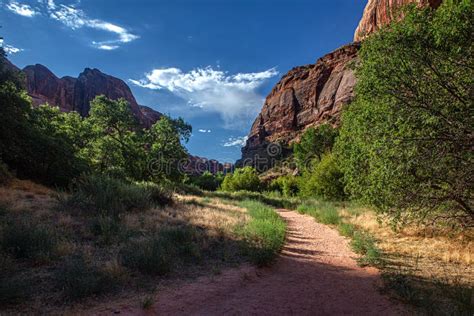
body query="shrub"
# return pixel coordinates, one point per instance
(243, 179)
(79, 279)
(161, 253)
(287, 185)
(264, 234)
(27, 240)
(108, 228)
(103, 195)
(159, 195)
(207, 181)
(325, 181)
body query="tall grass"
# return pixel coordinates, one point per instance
(323, 212)
(264, 233)
(161, 253)
(273, 200)
(108, 196)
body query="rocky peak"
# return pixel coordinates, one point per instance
(75, 94)
(379, 13)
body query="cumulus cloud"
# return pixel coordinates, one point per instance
(234, 97)
(75, 18)
(21, 9)
(204, 130)
(9, 49)
(236, 141)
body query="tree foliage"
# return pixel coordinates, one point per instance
(243, 179)
(313, 144)
(323, 180)
(406, 143)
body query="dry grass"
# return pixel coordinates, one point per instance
(429, 267)
(212, 221)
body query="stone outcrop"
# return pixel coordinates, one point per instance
(306, 96)
(379, 13)
(75, 94)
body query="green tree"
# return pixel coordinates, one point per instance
(406, 142)
(166, 150)
(323, 180)
(243, 179)
(116, 146)
(313, 144)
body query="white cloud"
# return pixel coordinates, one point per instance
(204, 130)
(75, 18)
(234, 97)
(236, 141)
(9, 49)
(107, 47)
(21, 9)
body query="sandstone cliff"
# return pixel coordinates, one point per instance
(75, 94)
(306, 96)
(378, 13)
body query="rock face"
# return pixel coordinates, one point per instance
(379, 13)
(75, 94)
(314, 94)
(306, 96)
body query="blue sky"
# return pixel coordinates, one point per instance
(210, 61)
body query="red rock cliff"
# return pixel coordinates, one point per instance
(378, 13)
(75, 94)
(305, 96)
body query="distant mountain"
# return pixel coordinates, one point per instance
(75, 94)
(315, 94)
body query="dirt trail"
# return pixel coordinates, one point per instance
(315, 275)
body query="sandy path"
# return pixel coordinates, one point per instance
(315, 275)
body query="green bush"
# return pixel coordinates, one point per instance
(80, 279)
(27, 240)
(207, 181)
(243, 179)
(264, 234)
(324, 181)
(287, 185)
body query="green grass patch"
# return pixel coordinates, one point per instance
(365, 245)
(323, 212)
(264, 234)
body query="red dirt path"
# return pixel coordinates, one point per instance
(316, 274)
